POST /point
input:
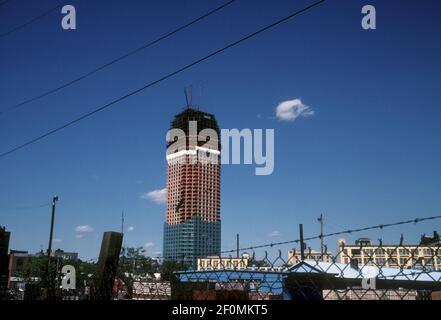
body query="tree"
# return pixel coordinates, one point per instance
(168, 268)
(84, 272)
(134, 265)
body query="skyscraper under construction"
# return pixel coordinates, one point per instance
(193, 226)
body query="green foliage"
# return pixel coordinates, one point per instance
(36, 267)
(134, 265)
(84, 271)
(134, 262)
(168, 268)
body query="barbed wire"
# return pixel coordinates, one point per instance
(348, 231)
(5, 207)
(327, 235)
(374, 272)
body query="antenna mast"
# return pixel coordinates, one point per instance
(188, 96)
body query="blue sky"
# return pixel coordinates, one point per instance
(370, 154)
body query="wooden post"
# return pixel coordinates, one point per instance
(107, 265)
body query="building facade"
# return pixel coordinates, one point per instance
(18, 265)
(193, 226)
(363, 252)
(4, 260)
(151, 290)
(222, 263)
(61, 254)
(244, 262)
(295, 257)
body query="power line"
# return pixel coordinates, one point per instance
(25, 207)
(169, 75)
(4, 2)
(124, 56)
(349, 231)
(31, 21)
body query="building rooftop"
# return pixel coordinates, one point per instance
(339, 270)
(344, 270)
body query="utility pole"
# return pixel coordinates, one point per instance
(237, 245)
(122, 222)
(302, 245)
(321, 236)
(51, 234)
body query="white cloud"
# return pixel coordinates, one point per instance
(274, 233)
(158, 196)
(149, 245)
(131, 228)
(291, 109)
(83, 228)
(58, 240)
(79, 236)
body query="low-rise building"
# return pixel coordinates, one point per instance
(295, 257)
(18, 263)
(230, 263)
(151, 290)
(220, 263)
(4, 262)
(361, 294)
(65, 255)
(363, 252)
(310, 280)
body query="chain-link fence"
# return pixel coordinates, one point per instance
(360, 271)
(357, 272)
